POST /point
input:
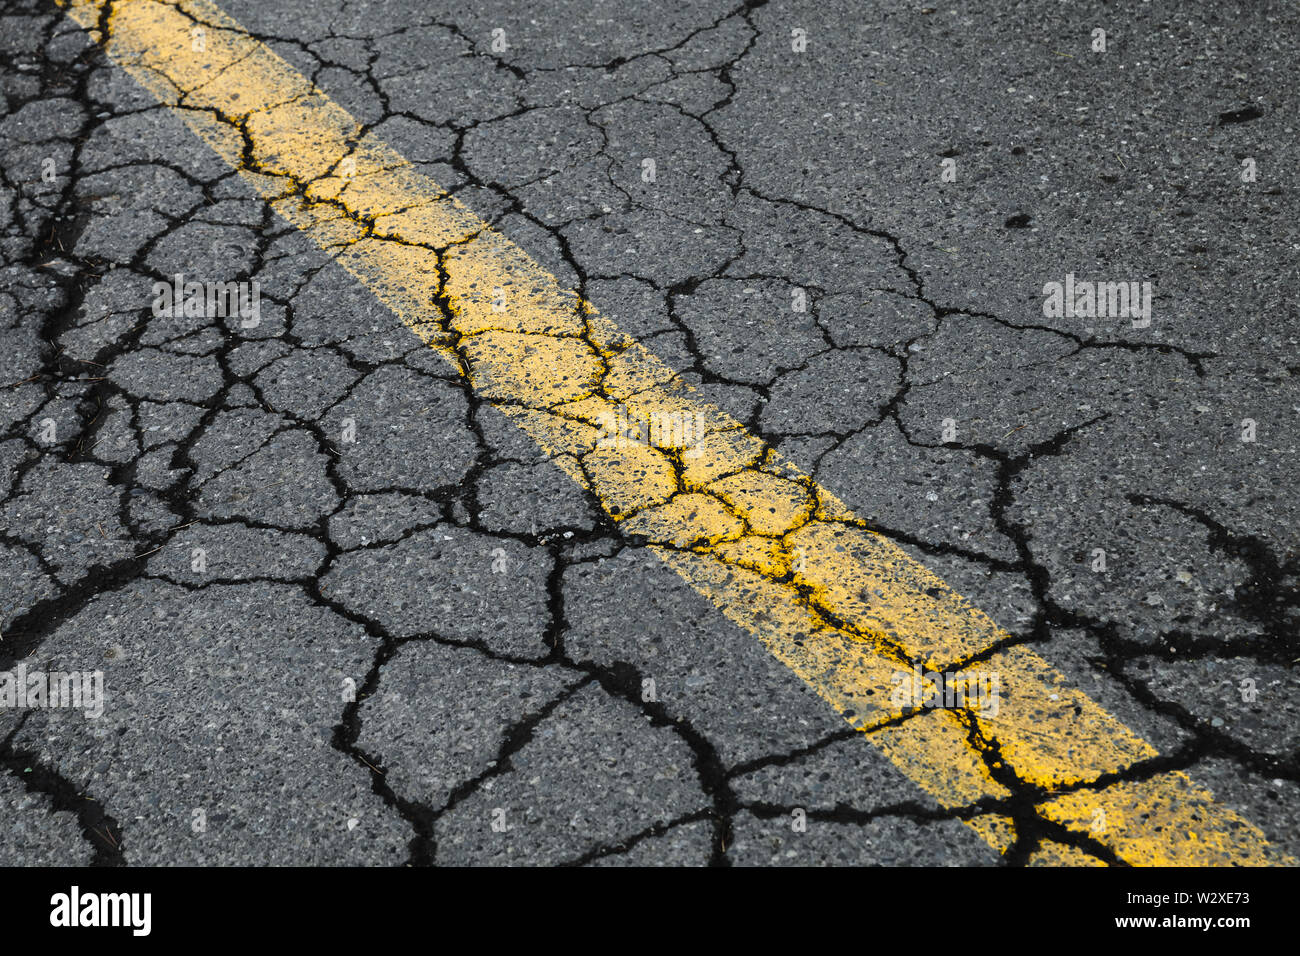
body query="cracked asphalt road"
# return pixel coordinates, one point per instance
(347, 677)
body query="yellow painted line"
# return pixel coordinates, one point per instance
(844, 608)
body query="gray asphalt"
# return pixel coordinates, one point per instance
(127, 441)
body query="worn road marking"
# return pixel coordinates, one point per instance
(843, 607)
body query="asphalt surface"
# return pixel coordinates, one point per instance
(495, 625)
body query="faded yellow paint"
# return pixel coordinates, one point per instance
(843, 607)
(1164, 821)
(933, 750)
(1058, 735)
(772, 505)
(1051, 853)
